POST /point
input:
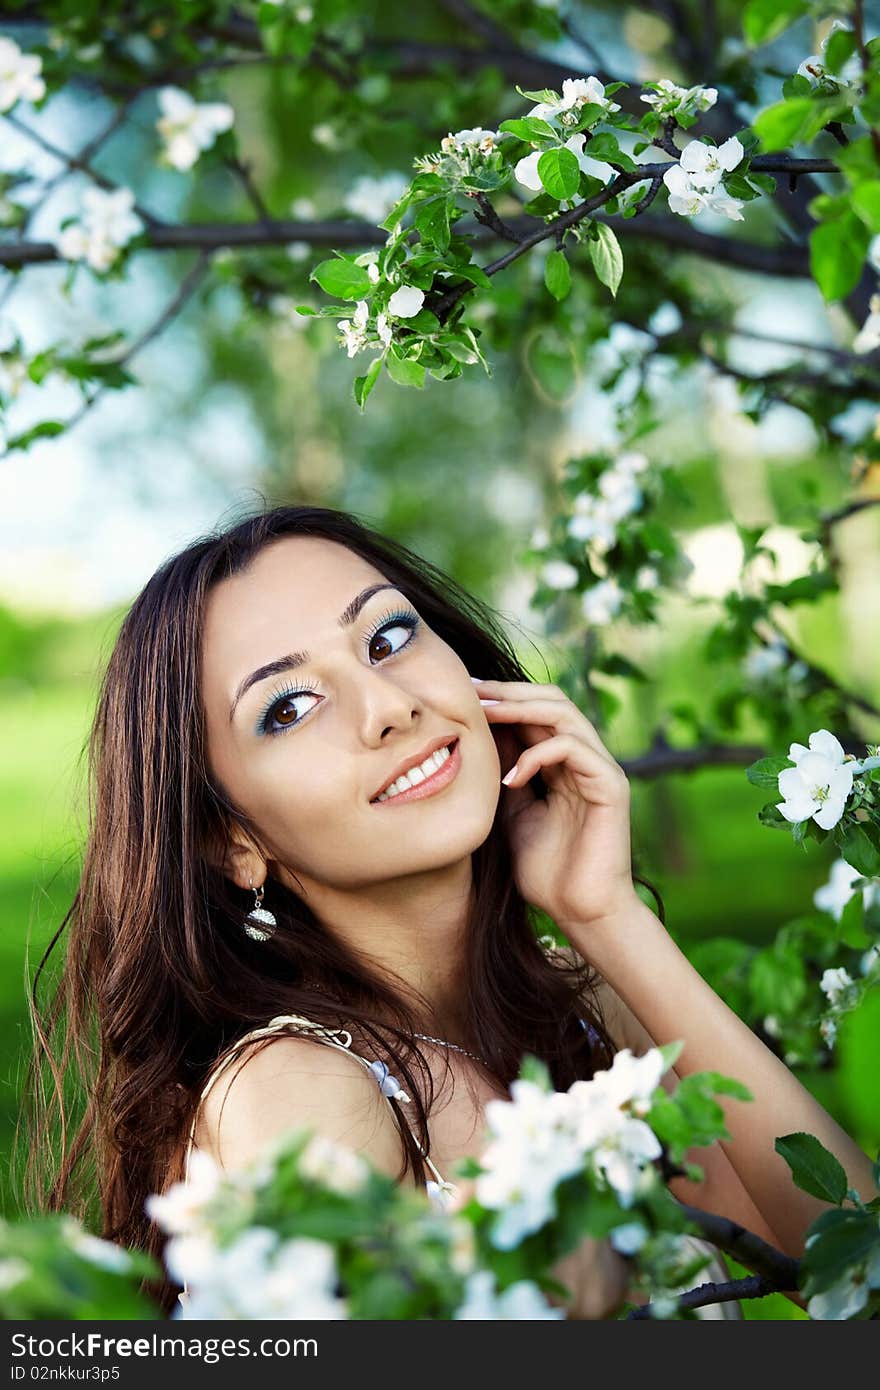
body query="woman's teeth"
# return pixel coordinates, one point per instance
(416, 774)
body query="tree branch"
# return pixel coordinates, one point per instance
(184, 292)
(78, 162)
(755, 1286)
(746, 1248)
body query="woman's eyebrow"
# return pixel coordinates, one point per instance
(294, 659)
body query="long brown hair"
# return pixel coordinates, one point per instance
(159, 977)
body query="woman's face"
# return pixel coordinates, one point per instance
(307, 749)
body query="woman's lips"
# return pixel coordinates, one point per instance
(435, 783)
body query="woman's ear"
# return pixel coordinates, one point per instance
(236, 859)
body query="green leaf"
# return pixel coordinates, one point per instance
(604, 146)
(837, 255)
(866, 203)
(530, 128)
(615, 664)
(764, 19)
(404, 370)
(770, 815)
(795, 121)
(813, 1168)
(532, 1069)
(363, 385)
(765, 772)
(560, 173)
(860, 851)
(670, 1052)
(607, 257)
(342, 278)
(840, 46)
(432, 221)
(845, 1239)
(46, 429)
(557, 274)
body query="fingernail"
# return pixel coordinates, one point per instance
(490, 702)
(478, 680)
(510, 776)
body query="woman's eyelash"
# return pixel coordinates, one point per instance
(401, 618)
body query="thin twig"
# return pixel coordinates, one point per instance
(76, 161)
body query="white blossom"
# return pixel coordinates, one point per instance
(540, 538)
(559, 574)
(522, 1300)
(593, 520)
(873, 254)
(628, 1238)
(298, 250)
(13, 1271)
(354, 330)
(834, 895)
(694, 184)
(868, 336)
(818, 785)
(303, 208)
(705, 165)
(602, 603)
(828, 1029)
(843, 1300)
(406, 301)
(763, 661)
(335, 1166)
(188, 127)
(383, 328)
(532, 1147)
(870, 960)
(576, 92)
(835, 983)
(475, 139)
(107, 224)
(670, 100)
(632, 461)
(181, 1210)
(257, 1276)
(20, 78)
(324, 133)
(102, 1253)
(621, 492)
(373, 198)
(647, 577)
(687, 200)
(815, 71)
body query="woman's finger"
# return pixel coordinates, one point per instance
(561, 715)
(577, 756)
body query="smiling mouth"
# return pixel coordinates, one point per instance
(429, 785)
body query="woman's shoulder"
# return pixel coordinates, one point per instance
(269, 1085)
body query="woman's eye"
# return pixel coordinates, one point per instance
(282, 715)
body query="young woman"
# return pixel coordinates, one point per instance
(268, 690)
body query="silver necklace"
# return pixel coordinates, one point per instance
(455, 1046)
(425, 1038)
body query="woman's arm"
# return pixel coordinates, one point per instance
(641, 963)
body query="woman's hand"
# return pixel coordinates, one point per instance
(571, 852)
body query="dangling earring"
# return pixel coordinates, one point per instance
(259, 914)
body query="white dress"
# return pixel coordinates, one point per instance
(440, 1191)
